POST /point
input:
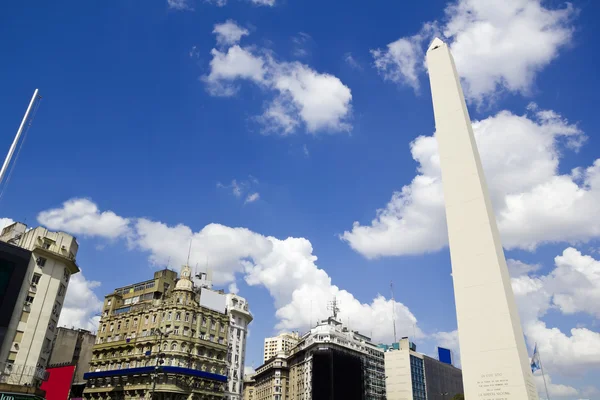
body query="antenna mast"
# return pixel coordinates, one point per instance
(393, 310)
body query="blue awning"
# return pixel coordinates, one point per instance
(149, 370)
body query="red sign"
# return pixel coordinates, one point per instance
(59, 381)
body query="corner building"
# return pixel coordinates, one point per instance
(157, 341)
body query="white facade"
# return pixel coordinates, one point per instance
(239, 319)
(398, 372)
(492, 346)
(34, 320)
(280, 343)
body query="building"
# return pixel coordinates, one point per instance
(37, 265)
(239, 319)
(492, 345)
(161, 339)
(332, 361)
(413, 376)
(249, 383)
(73, 346)
(271, 380)
(281, 343)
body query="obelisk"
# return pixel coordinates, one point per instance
(492, 347)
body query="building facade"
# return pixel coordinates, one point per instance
(248, 393)
(30, 326)
(73, 346)
(332, 361)
(158, 341)
(413, 376)
(271, 380)
(239, 319)
(280, 343)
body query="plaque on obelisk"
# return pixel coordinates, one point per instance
(492, 347)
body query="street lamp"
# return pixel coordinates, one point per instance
(161, 335)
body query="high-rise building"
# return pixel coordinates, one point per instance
(410, 375)
(283, 342)
(492, 346)
(160, 339)
(332, 361)
(73, 346)
(239, 319)
(35, 268)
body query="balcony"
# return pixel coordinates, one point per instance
(17, 374)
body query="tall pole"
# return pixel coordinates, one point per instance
(393, 310)
(17, 136)
(543, 374)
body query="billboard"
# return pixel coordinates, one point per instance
(213, 300)
(445, 355)
(59, 381)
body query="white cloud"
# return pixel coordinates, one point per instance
(81, 217)
(229, 33)
(252, 197)
(320, 101)
(533, 202)
(4, 222)
(351, 61)
(517, 268)
(554, 390)
(233, 288)
(248, 371)
(180, 5)
(82, 307)
(486, 39)
(286, 268)
(269, 3)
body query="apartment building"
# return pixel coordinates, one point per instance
(73, 346)
(283, 342)
(239, 319)
(271, 380)
(37, 264)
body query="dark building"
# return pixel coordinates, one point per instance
(73, 346)
(337, 374)
(442, 381)
(13, 268)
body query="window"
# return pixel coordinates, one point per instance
(126, 324)
(212, 338)
(237, 358)
(154, 318)
(112, 328)
(194, 318)
(222, 328)
(238, 333)
(66, 275)
(187, 317)
(46, 245)
(212, 325)
(29, 299)
(220, 340)
(146, 319)
(108, 302)
(178, 317)
(51, 326)
(135, 322)
(103, 328)
(119, 326)
(203, 321)
(62, 290)
(36, 279)
(169, 316)
(41, 261)
(176, 331)
(174, 347)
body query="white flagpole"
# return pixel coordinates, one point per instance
(17, 136)
(543, 374)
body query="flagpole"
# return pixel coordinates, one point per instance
(543, 374)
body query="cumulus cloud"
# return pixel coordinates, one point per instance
(229, 33)
(301, 95)
(245, 187)
(286, 268)
(4, 222)
(351, 61)
(252, 197)
(533, 201)
(81, 307)
(82, 217)
(487, 41)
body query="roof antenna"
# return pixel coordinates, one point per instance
(393, 310)
(169, 262)
(189, 252)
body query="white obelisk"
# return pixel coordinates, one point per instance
(492, 347)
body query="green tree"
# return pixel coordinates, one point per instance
(459, 396)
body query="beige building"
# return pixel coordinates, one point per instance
(239, 319)
(161, 339)
(249, 383)
(281, 343)
(271, 380)
(49, 262)
(73, 346)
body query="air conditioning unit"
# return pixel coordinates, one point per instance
(27, 304)
(38, 262)
(15, 346)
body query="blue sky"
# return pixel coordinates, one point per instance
(265, 129)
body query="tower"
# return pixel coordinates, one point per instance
(492, 346)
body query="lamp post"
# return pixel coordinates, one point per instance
(161, 335)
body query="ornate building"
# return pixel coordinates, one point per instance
(156, 341)
(240, 317)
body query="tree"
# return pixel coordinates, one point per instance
(459, 396)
